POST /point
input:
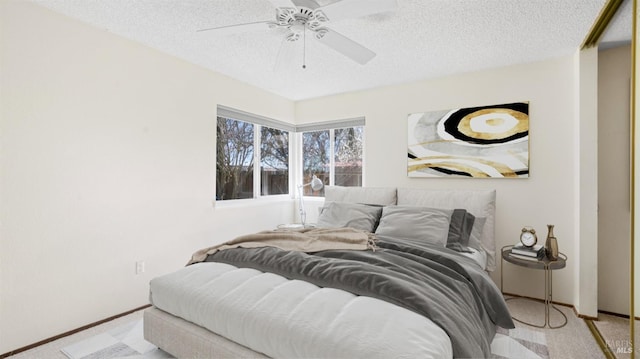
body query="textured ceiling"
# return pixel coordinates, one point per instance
(421, 39)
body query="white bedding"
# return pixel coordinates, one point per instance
(479, 257)
(290, 318)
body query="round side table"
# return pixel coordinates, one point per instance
(541, 264)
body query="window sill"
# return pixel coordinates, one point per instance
(251, 202)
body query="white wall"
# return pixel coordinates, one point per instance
(547, 197)
(614, 75)
(107, 157)
(586, 181)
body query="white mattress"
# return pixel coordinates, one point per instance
(290, 318)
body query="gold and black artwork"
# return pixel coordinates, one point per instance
(479, 142)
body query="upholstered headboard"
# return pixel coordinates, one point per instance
(480, 203)
(383, 196)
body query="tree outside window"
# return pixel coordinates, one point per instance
(274, 161)
(234, 164)
(346, 145)
(235, 143)
(348, 156)
(316, 147)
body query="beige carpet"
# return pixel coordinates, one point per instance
(615, 333)
(572, 341)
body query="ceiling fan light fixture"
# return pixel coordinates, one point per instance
(285, 16)
(297, 16)
(298, 27)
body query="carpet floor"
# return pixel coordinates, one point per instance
(122, 338)
(615, 333)
(573, 341)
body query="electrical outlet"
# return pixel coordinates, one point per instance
(139, 267)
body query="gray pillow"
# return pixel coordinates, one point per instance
(421, 223)
(460, 227)
(354, 215)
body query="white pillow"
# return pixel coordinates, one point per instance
(354, 215)
(475, 238)
(421, 223)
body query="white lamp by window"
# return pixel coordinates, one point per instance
(316, 185)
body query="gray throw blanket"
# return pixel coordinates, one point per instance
(433, 281)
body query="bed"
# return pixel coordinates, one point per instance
(420, 289)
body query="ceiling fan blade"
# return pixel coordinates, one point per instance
(346, 9)
(239, 28)
(311, 4)
(282, 3)
(346, 46)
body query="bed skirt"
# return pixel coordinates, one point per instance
(183, 339)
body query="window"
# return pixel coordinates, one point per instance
(333, 153)
(234, 165)
(316, 148)
(274, 161)
(348, 156)
(252, 155)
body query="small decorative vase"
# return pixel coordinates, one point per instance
(551, 245)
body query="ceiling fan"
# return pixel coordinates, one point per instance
(299, 16)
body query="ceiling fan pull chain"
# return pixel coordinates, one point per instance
(304, 48)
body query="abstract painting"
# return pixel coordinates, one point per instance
(479, 142)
